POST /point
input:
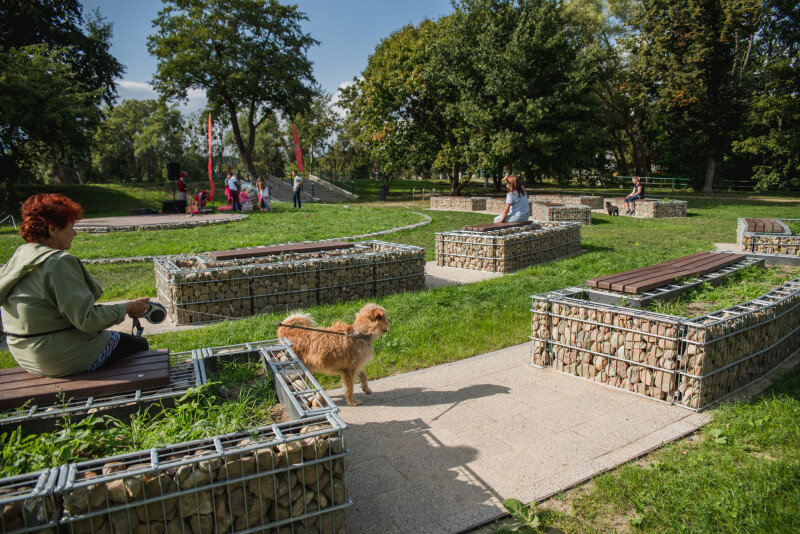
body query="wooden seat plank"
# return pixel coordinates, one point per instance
(760, 225)
(677, 270)
(493, 226)
(257, 252)
(647, 285)
(668, 276)
(604, 282)
(138, 371)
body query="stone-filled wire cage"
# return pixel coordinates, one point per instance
(284, 477)
(508, 249)
(197, 289)
(780, 243)
(692, 362)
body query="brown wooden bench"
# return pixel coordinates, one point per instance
(763, 226)
(641, 280)
(257, 252)
(138, 371)
(493, 226)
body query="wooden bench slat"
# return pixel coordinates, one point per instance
(137, 371)
(257, 252)
(643, 286)
(760, 225)
(688, 271)
(694, 264)
(127, 373)
(604, 282)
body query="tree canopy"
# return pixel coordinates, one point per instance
(249, 56)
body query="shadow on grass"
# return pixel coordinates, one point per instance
(595, 248)
(595, 221)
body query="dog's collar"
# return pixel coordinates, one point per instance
(358, 334)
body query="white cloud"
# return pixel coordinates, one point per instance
(129, 89)
(336, 96)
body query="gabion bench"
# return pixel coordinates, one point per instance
(288, 475)
(771, 238)
(649, 208)
(691, 362)
(198, 289)
(453, 203)
(507, 249)
(553, 211)
(594, 202)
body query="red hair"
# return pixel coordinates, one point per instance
(44, 210)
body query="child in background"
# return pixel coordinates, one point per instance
(263, 195)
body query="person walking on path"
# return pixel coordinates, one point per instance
(297, 187)
(49, 301)
(233, 185)
(636, 194)
(263, 195)
(517, 208)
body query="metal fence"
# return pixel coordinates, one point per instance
(691, 362)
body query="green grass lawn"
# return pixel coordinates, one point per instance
(313, 222)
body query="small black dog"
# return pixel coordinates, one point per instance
(612, 210)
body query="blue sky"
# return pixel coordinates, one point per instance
(348, 31)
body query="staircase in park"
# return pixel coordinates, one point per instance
(315, 189)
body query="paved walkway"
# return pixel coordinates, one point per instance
(437, 450)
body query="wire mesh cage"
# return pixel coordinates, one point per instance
(455, 203)
(287, 476)
(195, 289)
(783, 243)
(28, 502)
(692, 362)
(507, 249)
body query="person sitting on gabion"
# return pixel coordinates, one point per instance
(49, 310)
(636, 194)
(517, 208)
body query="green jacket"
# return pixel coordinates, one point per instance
(44, 290)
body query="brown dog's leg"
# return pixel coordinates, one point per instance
(362, 376)
(347, 378)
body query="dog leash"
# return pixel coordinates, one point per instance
(356, 335)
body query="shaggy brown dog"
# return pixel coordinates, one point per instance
(334, 354)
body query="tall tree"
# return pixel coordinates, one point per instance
(82, 45)
(773, 135)
(39, 105)
(696, 55)
(248, 55)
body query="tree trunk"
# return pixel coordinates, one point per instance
(245, 155)
(62, 174)
(10, 172)
(711, 166)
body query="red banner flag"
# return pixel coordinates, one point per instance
(298, 155)
(210, 173)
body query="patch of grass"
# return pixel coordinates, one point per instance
(741, 286)
(314, 222)
(794, 226)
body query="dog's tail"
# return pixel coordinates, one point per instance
(299, 319)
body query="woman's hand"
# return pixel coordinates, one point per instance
(137, 307)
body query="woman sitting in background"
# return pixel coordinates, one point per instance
(517, 208)
(48, 299)
(263, 195)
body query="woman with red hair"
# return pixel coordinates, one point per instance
(53, 325)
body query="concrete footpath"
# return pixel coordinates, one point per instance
(437, 450)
